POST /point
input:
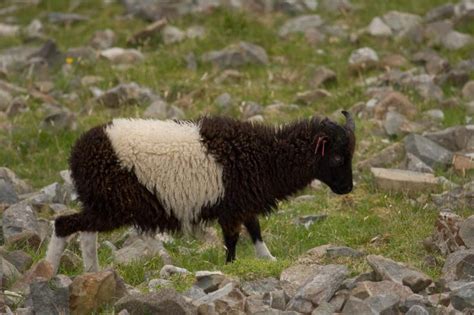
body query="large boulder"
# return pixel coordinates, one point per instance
(20, 224)
(428, 151)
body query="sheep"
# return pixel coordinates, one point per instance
(180, 175)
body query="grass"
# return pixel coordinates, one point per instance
(373, 221)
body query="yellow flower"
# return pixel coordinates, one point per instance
(69, 60)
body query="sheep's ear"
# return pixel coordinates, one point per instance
(350, 125)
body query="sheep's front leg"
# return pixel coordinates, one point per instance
(89, 251)
(231, 233)
(261, 250)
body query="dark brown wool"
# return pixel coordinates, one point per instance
(261, 165)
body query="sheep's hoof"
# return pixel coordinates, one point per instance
(271, 258)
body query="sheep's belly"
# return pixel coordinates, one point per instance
(169, 159)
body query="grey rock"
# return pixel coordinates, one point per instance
(409, 182)
(8, 195)
(250, 109)
(308, 220)
(50, 297)
(60, 120)
(191, 62)
(378, 28)
(103, 39)
(417, 310)
(444, 11)
(363, 58)
(395, 124)
(357, 306)
(388, 269)
(319, 288)
(65, 18)
(209, 281)
(127, 94)
(175, 112)
(457, 266)
(118, 55)
(82, 54)
(416, 165)
(169, 270)
(260, 286)
(401, 22)
(237, 55)
(194, 293)
(468, 91)
(21, 260)
(385, 157)
(166, 301)
(434, 114)
(224, 101)
(9, 30)
(34, 30)
(463, 298)
(5, 100)
(228, 298)
(343, 251)
(154, 285)
(255, 304)
(196, 32)
(300, 24)
(172, 35)
(8, 273)
(277, 299)
(158, 110)
(139, 249)
(336, 5)
(20, 218)
(366, 289)
(324, 309)
(466, 231)
(428, 151)
(455, 40)
(384, 304)
(16, 57)
(455, 138)
(321, 75)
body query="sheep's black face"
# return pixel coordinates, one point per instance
(334, 147)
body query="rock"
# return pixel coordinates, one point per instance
(324, 309)
(126, 94)
(308, 220)
(164, 302)
(194, 293)
(378, 28)
(394, 101)
(276, 299)
(226, 299)
(209, 281)
(119, 55)
(224, 101)
(336, 5)
(42, 269)
(104, 39)
(65, 18)
(89, 291)
(463, 298)
(428, 151)
(417, 310)
(139, 249)
(8, 195)
(404, 181)
(357, 306)
(50, 297)
(385, 157)
(444, 11)
(468, 91)
(191, 62)
(19, 224)
(34, 30)
(169, 270)
(17, 106)
(396, 124)
(384, 304)
(460, 197)
(8, 273)
(172, 35)
(237, 55)
(148, 32)
(401, 22)
(250, 109)
(300, 24)
(366, 289)
(319, 288)
(458, 266)
(457, 138)
(466, 232)
(5, 100)
(309, 97)
(158, 109)
(155, 285)
(343, 251)
(321, 75)
(416, 165)
(61, 120)
(455, 40)
(260, 286)
(363, 58)
(70, 260)
(388, 269)
(254, 304)
(434, 114)
(9, 30)
(445, 238)
(21, 260)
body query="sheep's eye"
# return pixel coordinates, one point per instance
(337, 160)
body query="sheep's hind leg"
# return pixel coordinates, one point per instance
(231, 237)
(261, 250)
(56, 247)
(89, 251)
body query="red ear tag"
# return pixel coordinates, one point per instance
(321, 141)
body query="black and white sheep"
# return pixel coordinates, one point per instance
(178, 175)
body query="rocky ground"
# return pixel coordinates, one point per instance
(402, 242)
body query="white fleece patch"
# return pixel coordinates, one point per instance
(171, 162)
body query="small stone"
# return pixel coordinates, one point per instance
(468, 91)
(158, 110)
(394, 101)
(172, 35)
(41, 269)
(126, 94)
(385, 157)
(90, 291)
(119, 55)
(321, 75)
(466, 232)
(363, 58)
(378, 28)
(169, 270)
(224, 101)
(60, 120)
(250, 109)
(434, 114)
(155, 285)
(21, 260)
(357, 306)
(300, 24)
(404, 181)
(226, 299)
(308, 220)
(209, 281)
(417, 310)
(102, 40)
(428, 151)
(444, 11)
(196, 31)
(337, 5)
(309, 97)
(401, 22)
(164, 302)
(65, 18)
(455, 40)
(260, 286)
(416, 165)
(237, 55)
(396, 124)
(8, 273)
(343, 251)
(463, 298)
(19, 219)
(139, 249)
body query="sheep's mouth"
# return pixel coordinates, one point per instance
(342, 190)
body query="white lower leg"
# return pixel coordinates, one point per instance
(55, 250)
(89, 251)
(261, 251)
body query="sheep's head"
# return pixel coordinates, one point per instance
(334, 146)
